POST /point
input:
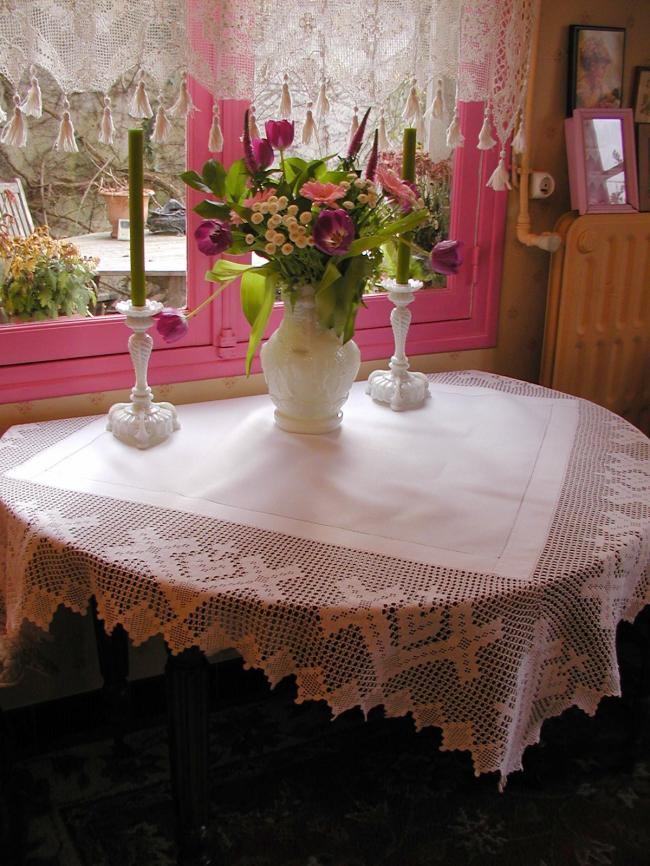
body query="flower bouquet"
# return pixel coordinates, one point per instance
(319, 231)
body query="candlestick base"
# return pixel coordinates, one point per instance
(397, 386)
(141, 423)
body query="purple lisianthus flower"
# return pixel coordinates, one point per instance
(446, 257)
(213, 237)
(279, 133)
(171, 324)
(333, 232)
(262, 152)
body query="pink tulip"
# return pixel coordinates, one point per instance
(333, 232)
(171, 324)
(213, 237)
(262, 153)
(279, 133)
(446, 257)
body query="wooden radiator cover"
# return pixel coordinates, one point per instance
(597, 334)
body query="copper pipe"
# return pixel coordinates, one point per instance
(549, 241)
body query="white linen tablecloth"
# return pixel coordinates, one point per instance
(467, 562)
(470, 480)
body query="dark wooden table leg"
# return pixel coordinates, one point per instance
(187, 676)
(11, 817)
(113, 657)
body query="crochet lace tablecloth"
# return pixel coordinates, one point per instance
(397, 619)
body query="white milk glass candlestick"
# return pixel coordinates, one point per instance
(397, 386)
(141, 422)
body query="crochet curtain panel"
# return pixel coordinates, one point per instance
(416, 54)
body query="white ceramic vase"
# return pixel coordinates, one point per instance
(308, 370)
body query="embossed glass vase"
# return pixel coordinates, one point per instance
(308, 369)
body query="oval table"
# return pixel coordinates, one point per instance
(466, 562)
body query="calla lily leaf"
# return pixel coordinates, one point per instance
(257, 297)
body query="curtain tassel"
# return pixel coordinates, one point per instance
(162, 126)
(437, 105)
(253, 128)
(33, 104)
(183, 105)
(419, 125)
(140, 105)
(485, 140)
(106, 127)
(384, 143)
(65, 140)
(322, 103)
(15, 133)
(519, 141)
(499, 179)
(309, 126)
(215, 139)
(412, 107)
(455, 137)
(285, 100)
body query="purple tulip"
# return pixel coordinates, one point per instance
(446, 257)
(213, 237)
(357, 139)
(171, 324)
(279, 133)
(262, 153)
(333, 232)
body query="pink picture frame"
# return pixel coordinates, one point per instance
(602, 160)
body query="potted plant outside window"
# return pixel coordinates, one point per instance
(43, 278)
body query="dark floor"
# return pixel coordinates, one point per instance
(289, 787)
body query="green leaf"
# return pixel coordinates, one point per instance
(348, 291)
(332, 176)
(214, 174)
(293, 168)
(257, 298)
(191, 178)
(238, 246)
(237, 180)
(225, 271)
(212, 210)
(400, 226)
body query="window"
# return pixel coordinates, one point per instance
(76, 356)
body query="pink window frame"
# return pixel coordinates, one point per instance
(52, 359)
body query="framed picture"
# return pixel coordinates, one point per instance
(642, 95)
(643, 134)
(595, 67)
(602, 160)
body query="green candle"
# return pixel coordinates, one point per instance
(408, 173)
(136, 217)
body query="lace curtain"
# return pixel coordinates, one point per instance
(411, 60)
